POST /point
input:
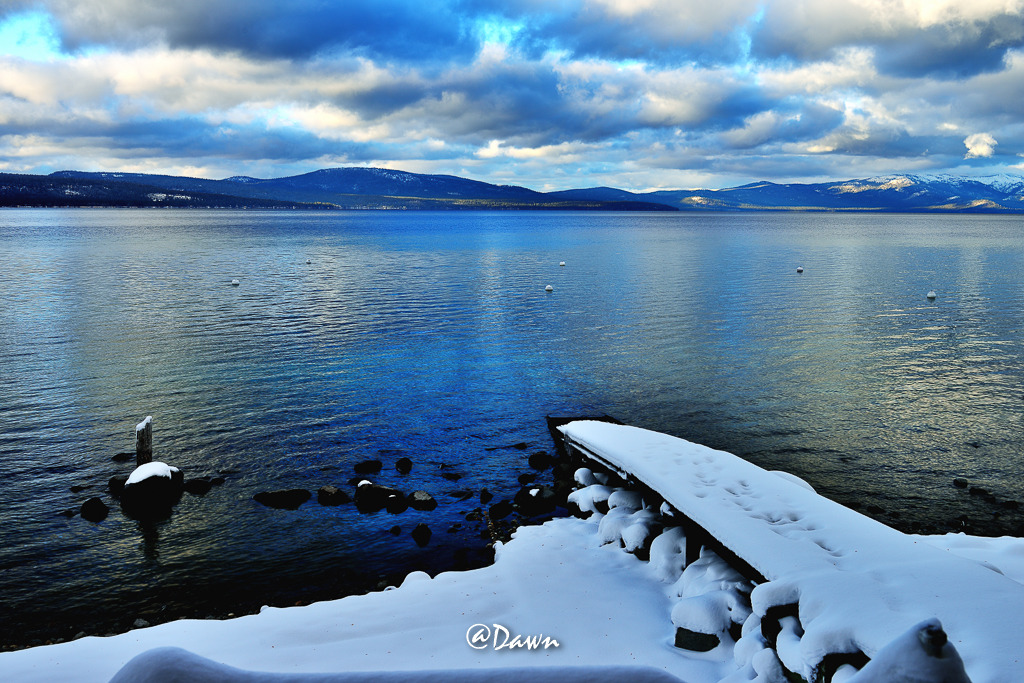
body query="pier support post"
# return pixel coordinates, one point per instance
(144, 441)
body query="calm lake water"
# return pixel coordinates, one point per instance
(431, 336)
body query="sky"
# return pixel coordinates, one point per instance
(557, 94)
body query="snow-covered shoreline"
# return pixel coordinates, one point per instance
(603, 606)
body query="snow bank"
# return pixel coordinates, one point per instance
(603, 606)
(174, 665)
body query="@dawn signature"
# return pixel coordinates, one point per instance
(497, 637)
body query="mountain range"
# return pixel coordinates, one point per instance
(377, 188)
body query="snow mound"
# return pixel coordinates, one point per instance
(151, 469)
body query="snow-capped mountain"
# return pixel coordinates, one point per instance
(387, 188)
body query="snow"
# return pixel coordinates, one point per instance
(603, 606)
(859, 584)
(150, 469)
(142, 425)
(573, 582)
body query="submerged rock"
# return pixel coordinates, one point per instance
(421, 534)
(94, 510)
(403, 465)
(199, 486)
(331, 495)
(368, 467)
(486, 496)
(285, 499)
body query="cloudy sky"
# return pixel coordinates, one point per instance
(550, 94)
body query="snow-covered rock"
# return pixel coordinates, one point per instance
(152, 490)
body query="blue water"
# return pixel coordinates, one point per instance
(431, 336)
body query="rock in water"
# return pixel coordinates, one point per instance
(116, 484)
(286, 499)
(373, 497)
(500, 510)
(421, 500)
(368, 467)
(94, 510)
(151, 491)
(331, 495)
(421, 534)
(403, 465)
(541, 460)
(535, 500)
(198, 487)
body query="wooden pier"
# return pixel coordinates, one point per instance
(830, 586)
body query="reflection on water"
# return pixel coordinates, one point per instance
(431, 336)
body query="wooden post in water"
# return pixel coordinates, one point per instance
(144, 441)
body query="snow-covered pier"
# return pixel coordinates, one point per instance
(789, 578)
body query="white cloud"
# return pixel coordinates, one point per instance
(979, 145)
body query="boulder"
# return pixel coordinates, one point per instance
(535, 500)
(151, 491)
(541, 460)
(403, 465)
(960, 483)
(486, 496)
(373, 497)
(116, 484)
(396, 503)
(368, 467)
(421, 500)
(94, 510)
(332, 495)
(500, 510)
(285, 499)
(421, 534)
(527, 478)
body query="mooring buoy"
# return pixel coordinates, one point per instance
(799, 269)
(549, 288)
(931, 294)
(235, 283)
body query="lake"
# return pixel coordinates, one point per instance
(377, 335)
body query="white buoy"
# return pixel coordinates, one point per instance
(549, 288)
(235, 283)
(308, 261)
(931, 294)
(562, 263)
(799, 269)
